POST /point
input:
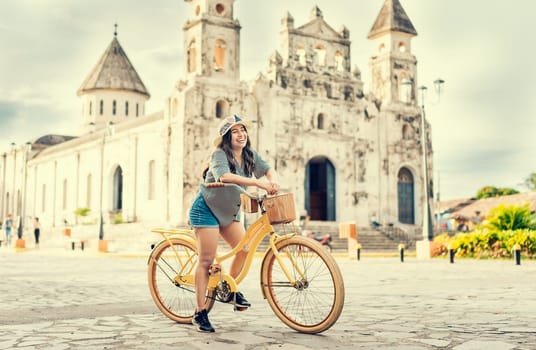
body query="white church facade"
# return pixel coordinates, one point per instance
(347, 155)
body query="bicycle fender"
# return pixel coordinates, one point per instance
(176, 237)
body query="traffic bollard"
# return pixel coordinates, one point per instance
(517, 254)
(401, 248)
(451, 254)
(358, 251)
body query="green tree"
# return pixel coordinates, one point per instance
(530, 182)
(492, 191)
(510, 217)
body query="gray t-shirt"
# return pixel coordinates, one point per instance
(224, 202)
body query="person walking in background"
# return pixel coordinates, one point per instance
(37, 231)
(8, 225)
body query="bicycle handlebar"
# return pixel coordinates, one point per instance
(227, 184)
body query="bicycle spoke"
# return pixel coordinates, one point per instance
(313, 302)
(164, 272)
(172, 294)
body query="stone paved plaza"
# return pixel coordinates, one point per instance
(60, 299)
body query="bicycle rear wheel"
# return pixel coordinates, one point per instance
(315, 301)
(175, 297)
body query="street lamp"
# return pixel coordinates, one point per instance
(22, 214)
(101, 230)
(13, 198)
(27, 150)
(103, 244)
(427, 229)
(3, 212)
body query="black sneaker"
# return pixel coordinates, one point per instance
(200, 320)
(238, 300)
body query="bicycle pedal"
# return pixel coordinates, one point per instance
(240, 308)
(214, 269)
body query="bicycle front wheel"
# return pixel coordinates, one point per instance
(170, 272)
(313, 301)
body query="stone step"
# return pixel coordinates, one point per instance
(370, 240)
(138, 237)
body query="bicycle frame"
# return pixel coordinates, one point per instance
(251, 241)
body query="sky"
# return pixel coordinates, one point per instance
(483, 122)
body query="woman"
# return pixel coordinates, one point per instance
(8, 226)
(37, 231)
(216, 212)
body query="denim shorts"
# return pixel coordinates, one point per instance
(201, 215)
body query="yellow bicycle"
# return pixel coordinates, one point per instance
(300, 280)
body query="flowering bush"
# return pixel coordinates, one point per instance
(504, 227)
(485, 243)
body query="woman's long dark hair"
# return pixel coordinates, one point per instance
(247, 154)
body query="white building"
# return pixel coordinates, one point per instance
(346, 155)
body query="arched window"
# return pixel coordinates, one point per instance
(150, 182)
(219, 55)
(174, 107)
(300, 52)
(118, 189)
(401, 47)
(101, 107)
(126, 108)
(191, 53)
(406, 132)
(114, 106)
(405, 90)
(7, 203)
(88, 191)
(221, 109)
(64, 201)
(320, 120)
(19, 203)
(90, 107)
(43, 198)
(381, 48)
(320, 52)
(339, 61)
(405, 197)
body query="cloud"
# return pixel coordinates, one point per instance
(482, 127)
(8, 111)
(28, 118)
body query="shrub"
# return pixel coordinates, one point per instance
(486, 243)
(82, 211)
(118, 218)
(511, 217)
(440, 245)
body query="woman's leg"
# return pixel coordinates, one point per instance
(232, 234)
(207, 243)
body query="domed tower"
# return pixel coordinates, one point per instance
(393, 66)
(113, 91)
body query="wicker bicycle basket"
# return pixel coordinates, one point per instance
(280, 208)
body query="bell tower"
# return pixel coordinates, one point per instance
(393, 66)
(212, 41)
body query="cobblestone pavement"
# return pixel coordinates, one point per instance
(84, 300)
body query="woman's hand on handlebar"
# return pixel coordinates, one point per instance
(271, 187)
